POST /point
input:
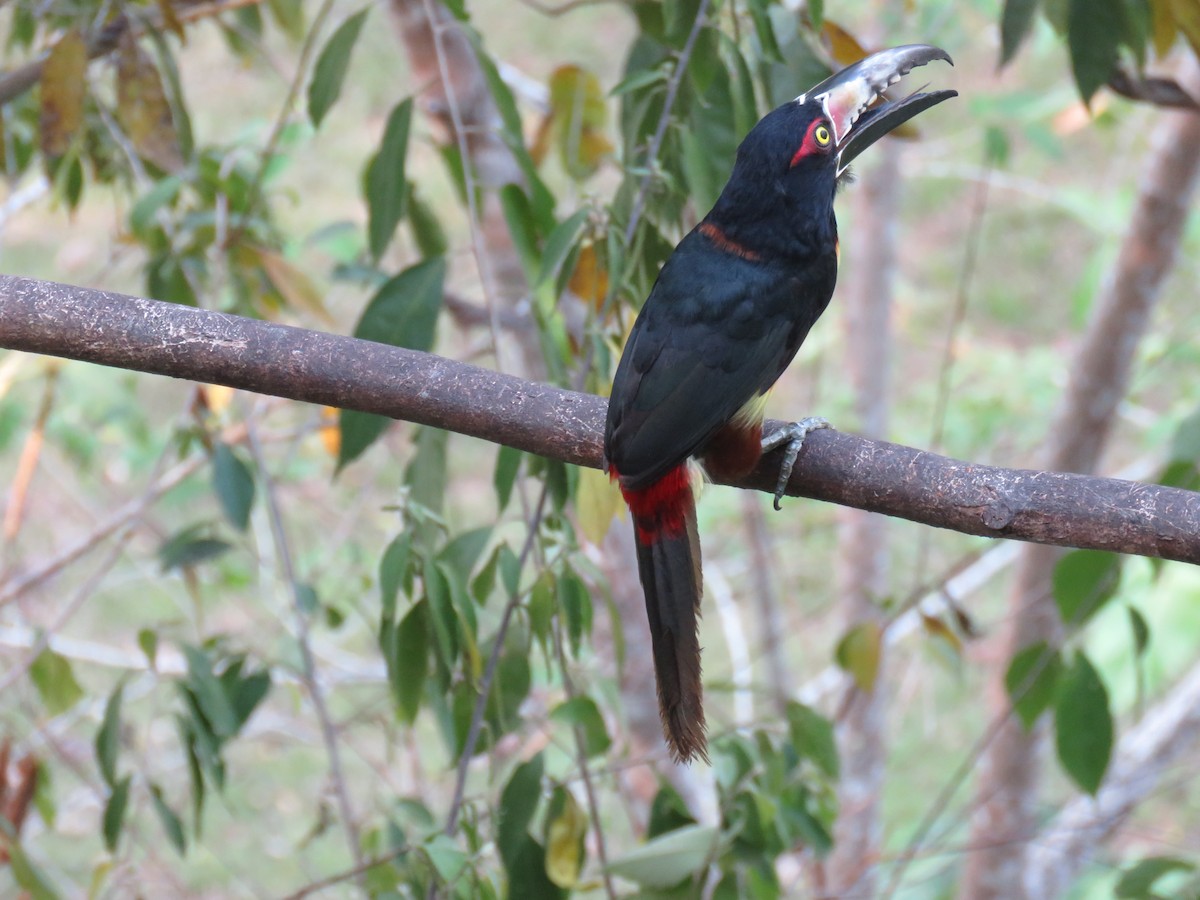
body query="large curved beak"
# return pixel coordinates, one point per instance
(847, 97)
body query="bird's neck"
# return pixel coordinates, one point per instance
(795, 233)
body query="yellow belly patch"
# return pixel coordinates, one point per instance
(751, 413)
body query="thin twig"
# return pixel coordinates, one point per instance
(15, 587)
(581, 758)
(254, 191)
(345, 875)
(308, 665)
(483, 260)
(485, 683)
(664, 121)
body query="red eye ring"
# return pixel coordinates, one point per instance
(817, 140)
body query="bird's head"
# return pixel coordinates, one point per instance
(791, 160)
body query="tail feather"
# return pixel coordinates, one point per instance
(668, 551)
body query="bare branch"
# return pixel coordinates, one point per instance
(183, 342)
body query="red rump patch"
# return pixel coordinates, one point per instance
(660, 509)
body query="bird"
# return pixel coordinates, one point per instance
(729, 310)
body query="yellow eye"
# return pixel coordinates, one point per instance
(822, 135)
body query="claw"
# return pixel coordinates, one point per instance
(793, 436)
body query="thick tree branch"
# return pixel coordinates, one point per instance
(183, 342)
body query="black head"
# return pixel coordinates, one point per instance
(783, 182)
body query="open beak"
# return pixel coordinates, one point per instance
(847, 97)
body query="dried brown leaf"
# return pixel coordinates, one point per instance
(64, 88)
(142, 107)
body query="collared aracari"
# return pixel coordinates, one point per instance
(728, 312)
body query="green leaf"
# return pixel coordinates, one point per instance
(1094, 32)
(859, 651)
(1140, 629)
(27, 875)
(404, 310)
(114, 813)
(668, 812)
(508, 463)
(509, 689)
(427, 231)
(518, 803)
(408, 663)
(443, 615)
(210, 693)
(522, 227)
(386, 184)
(527, 873)
(1137, 882)
(447, 859)
(330, 70)
(55, 682)
(1185, 443)
(582, 713)
(765, 31)
(394, 572)
(147, 640)
(1015, 22)
(108, 738)
(306, 599)
(359, 430)
(290, 16)
(426, 481)
(402, 313)
(669, 859)
(575, 601)
(812, 735)
(185, 549)
(233, 483)
(1084, 580)
(1032, 680)
(1083, 725)
(485, 581)
(558, 246)
(246, 693)
(463, 551)
(171, 823)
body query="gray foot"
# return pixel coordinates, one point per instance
(793, 436)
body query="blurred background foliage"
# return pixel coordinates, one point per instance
(251, 646)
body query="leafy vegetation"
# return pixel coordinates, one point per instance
(303, 645)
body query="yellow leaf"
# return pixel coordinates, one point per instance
(1186, 14)
(578, 115)
(589, 281)
(217, 397)
(1163, 26)
(596, 504)
(166, 9)
(296, 288)
(331, 433)
(859, 651)
(575, 93)
(564, 842)
(939, 630)
(142, 107)
(64, 88)
(843, 46)
(541, 141)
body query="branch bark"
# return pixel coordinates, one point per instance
(314, 367)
